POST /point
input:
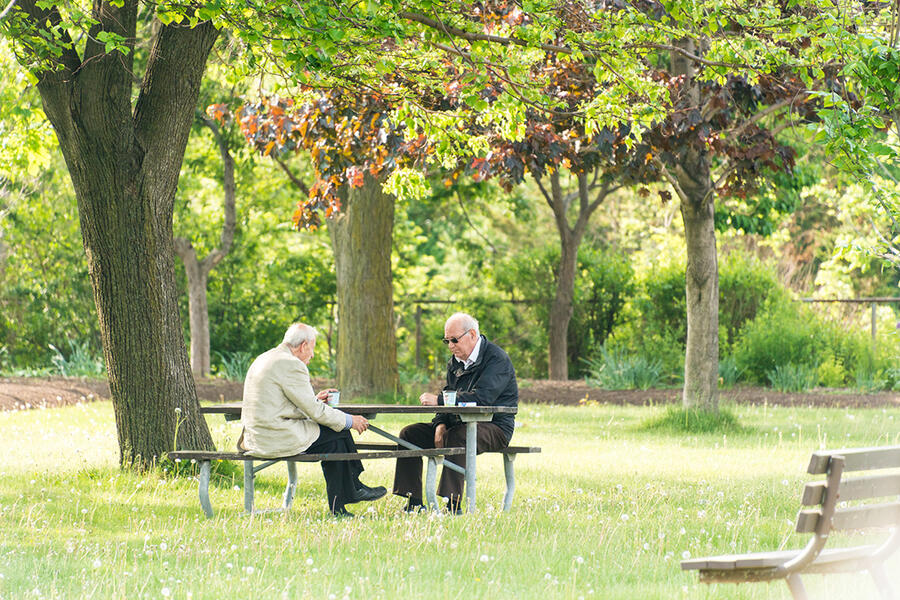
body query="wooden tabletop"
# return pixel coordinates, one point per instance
(234, 408)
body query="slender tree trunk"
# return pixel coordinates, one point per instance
(563, 307)
(124, 167)
(197, 271)
(570, 238)
(198, 308)
(361, 237)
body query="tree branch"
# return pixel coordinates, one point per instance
(294, 179)
(482, 37)
(7, 9)
(670, 179)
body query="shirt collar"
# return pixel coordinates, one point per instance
(474, 355)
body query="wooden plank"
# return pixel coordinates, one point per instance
(518, 450)
(234, 408)
(750, 560)
(807, 521)
(337, 456)
(856, 517)
(864, 517)
(857, 459)
(855, 488)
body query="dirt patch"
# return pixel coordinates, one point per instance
(23, 393)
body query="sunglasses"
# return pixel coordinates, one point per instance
(455, 340)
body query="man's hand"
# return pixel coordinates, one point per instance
(439, 432)
(428, 399)
(323, 395)
(360, 423)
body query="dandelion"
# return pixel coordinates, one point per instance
(166, 592)
(685, 555)
(97, 563)
(484, 558)
(249, 570)
(163, 546)
(579, 560)
(624, 517)
(309, 561)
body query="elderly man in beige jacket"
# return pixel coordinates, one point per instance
(282, 416)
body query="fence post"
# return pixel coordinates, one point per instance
(874, 341)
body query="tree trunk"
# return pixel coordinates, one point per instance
(562, 308)
(701, 361)
(569, 239)
(124, 167)
(361, 236)
(197, 271)
(198, 308)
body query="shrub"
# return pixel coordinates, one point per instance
(793, 378)
(729, 371)
(831, 372)
(234, 365)
(782, 335)
(618, 371)
(81, 362)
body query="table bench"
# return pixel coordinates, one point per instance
(205, 459)
(470, 415)
(867, 503)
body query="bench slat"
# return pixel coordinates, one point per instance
(855, 488)
(856, 517)
(337, 456)
(507, 450)
(857, 459)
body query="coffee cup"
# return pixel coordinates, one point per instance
(334, 398)
(449, 397)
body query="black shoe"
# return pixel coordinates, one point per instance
(365, 493)
(342, 513)
(414, 507)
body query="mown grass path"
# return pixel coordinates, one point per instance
(606, 511)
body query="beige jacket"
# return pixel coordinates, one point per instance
(280, 411)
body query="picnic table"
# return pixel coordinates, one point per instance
(470, 415)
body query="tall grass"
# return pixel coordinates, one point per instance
(605, 512)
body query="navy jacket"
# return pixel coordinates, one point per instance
(490, 381)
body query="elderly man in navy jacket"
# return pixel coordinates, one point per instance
(480, 372)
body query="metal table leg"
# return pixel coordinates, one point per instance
(471, 448)
(203, 487)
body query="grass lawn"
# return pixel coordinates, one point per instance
(606, 511)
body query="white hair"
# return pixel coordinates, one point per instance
(466, 320)
(299, 333)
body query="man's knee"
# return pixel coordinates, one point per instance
(456, 436)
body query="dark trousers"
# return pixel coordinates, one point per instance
(341, 476)
(408, 474)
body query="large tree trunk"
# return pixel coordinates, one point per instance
(361, 235)
(124, 168)
(197, 271)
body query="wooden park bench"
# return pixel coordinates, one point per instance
(367, 451)
(864, 503)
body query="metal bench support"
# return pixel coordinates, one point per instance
(203, 488)
(291, 485)
(510, 480)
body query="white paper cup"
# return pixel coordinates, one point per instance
(334, 398)
(449, 397)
